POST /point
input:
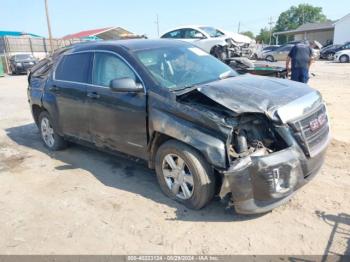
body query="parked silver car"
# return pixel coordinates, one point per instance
(281, 53)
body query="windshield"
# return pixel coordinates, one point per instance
(212, 31)
(24, 57)
(182, 67)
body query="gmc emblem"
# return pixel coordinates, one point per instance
(318, 122)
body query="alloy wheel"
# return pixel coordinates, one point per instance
(178, 177)
(47, 132)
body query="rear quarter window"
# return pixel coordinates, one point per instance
(42, 68)
(74, 68)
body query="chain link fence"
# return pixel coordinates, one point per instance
(38, 47)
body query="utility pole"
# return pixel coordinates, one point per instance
(157, 23)
(48, 25)
(271, 24)
(239, 26)
(303, 13)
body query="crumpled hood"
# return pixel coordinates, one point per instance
(258, 94)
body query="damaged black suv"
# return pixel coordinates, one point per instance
(204, 129)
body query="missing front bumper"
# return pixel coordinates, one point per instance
(259, 184)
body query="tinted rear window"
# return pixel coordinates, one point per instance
(42, 68)
(74, 68)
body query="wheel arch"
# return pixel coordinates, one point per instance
(270, 60)
(36, 111)
(166, 127)
(216, 48)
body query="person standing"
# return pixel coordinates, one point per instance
(301, 56)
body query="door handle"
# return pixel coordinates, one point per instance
(93, 95)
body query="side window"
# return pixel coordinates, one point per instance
(108, 67)
(74, 67)
(173, 34)
(42, 68)
(192, 34)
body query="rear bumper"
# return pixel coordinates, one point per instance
(259, 184)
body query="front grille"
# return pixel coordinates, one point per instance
(311, 140)
(27, 64)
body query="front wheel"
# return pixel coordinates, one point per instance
(184, 175)
(51, 139)
(344, 59)
(330, 56)
(270, 58)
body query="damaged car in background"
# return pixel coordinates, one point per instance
(219, 43)
(205, 129)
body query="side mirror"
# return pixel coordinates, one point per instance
(125, 85)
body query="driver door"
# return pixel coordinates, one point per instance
(117, 120)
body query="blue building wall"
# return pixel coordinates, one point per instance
(15, 33)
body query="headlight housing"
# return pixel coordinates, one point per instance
(18, 64)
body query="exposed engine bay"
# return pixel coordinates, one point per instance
(252, 134)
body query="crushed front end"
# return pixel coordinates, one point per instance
(270, 161)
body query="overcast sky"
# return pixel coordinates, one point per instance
(139, 16)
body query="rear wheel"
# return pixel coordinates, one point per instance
(184, 175)
(51, 139)
(344, 59)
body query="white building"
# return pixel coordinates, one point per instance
(342, 30)
(337, 32)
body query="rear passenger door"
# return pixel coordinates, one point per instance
(117, 119)
(71, 78)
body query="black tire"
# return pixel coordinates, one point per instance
(58, 142)
(344, 59)
(330, 57)
(203, 175)
(219, 52)
(270, 58)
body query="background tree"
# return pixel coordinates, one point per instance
(264, 36)
(295, 16)
(248, 33)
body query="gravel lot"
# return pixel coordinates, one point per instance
(81, 201)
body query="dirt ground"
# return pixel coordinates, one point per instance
(81, 201)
